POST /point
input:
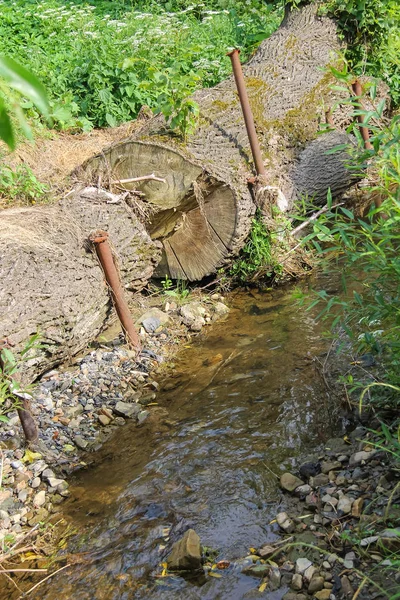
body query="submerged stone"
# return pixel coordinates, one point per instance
(186, 553)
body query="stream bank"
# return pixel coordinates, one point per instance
(241, 407)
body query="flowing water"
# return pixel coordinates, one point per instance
(241, 404)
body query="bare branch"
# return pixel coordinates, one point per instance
(151, 177)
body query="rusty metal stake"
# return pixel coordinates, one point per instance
(27, 421)
(358, 91)
(103, 249)
(247, 112)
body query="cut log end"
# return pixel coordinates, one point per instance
(196, 214)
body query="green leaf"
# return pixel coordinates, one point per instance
(23, 81)
(6, 130)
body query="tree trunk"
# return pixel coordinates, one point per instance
(204, 211)
(51, 279)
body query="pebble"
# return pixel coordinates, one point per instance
(316, 584)
(302, 564)
(360, 457)
(297, 582)
(290, 482)
(344, 505)
(285, 522)
(39, 499)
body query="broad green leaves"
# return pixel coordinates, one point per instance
(21, 80)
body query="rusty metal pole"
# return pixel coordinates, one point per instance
(247, 112)
(23, 409)
(103, 250)
(358, 91)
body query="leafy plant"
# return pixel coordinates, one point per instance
(110, 59)
(256, 259)
(180, 293)
(20, 183)
(9, 365)
(364, 251)
(16, 78)
(372, 31)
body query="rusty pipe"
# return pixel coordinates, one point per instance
(104, 253)
(358, 92)
(247, 112)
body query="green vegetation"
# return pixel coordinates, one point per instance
(102, 61)
(20, 183)
(256, 260)
(364, 250)
(179, 292)
(371, 29)
(15, 78)
(9, 365)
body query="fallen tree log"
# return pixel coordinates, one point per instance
(51, 280)
(204, 211)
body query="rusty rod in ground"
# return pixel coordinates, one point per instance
(23, 406)
(358, 92)
(104, 253)
(247, 112)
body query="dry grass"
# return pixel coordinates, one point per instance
(53, 159)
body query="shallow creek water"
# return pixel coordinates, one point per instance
(244, 400)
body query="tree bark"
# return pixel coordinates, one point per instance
(51, 279)
(204, 212)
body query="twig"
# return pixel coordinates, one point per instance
(360, 587)
(23, 571)
(151, 177)
(24, 537)
(314, 216)
(45, 579)
(10, 579)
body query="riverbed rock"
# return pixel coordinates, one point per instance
(310, 469)
(285, 522)
(193, 315)
(344, 505)
(153, 319)
(360, 457)
(124, 409)
(316, 584)
(323, 595)
(186, 553)
(302, 564)
(297, 582)
(290, 482)
(220, 310)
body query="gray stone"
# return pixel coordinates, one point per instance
(303, 490)
(344, 505)
(54, 482)
(153, 313)
(290, 482)
(285, 522)
(274, 578)
(186, 553)
(39, 499)
(47, 473)
(151, 324)
(220, 309)
(36, 481)
(302, 564)
(319, 480)
(309, 573)
(297, 582)
(81, 442)
(16, 464)
(142, 416)
(193, 315)
(327, 466)
(359, 457)
(123, 409)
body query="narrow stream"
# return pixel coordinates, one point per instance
(243, 403)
